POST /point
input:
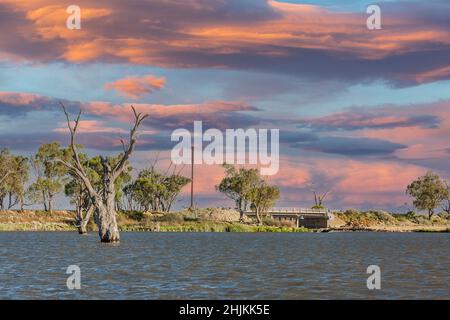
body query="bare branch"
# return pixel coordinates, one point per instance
(123, 145)
(138, 118)
(77, 167)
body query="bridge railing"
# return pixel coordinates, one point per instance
(276, 210)
(297, 210)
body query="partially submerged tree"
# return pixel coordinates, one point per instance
(263, 197)
(104, 201)
(237, 185)
(428, 192)
(79, 196)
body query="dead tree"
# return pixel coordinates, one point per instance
(318, 199)
(103, 201)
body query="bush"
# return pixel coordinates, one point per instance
(443, 215)
(173, 217)
(383, 216)
(411, 215)
(278, 223)
(135, 215)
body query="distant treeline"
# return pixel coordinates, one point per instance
(151, 190)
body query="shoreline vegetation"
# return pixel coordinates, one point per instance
(101, 187)
(223, 220)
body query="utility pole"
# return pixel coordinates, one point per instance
(192, 177)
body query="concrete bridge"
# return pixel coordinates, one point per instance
(303, 217)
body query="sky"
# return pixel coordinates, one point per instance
(361, 112)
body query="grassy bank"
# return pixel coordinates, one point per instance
(223, 220)
(384, 221)
(202, 220)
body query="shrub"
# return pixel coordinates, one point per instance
(135, 215)
(278, 223)
(173, 217)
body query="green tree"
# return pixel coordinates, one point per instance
(5, 165)
(156, 191)
(173, 184)
(263, 197)
(428, 192)
(238, 185)
(50, 174)
(14, 172)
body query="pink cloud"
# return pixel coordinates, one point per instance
(18, 99)
(135, 87)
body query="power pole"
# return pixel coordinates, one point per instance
(192, 177)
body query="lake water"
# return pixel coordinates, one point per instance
(225, 265)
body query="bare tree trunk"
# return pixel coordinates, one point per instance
(44, 199)
(241, 215)
(22, 203)
(241, 210)
(107, 223)
(82, 227)
(50, 203)
(258, 217)
(83, 221)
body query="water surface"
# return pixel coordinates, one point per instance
(225, 265)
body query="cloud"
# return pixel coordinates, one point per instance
(135, 87)
(357, 120)
(352, 146)
(307, 41)
(12, 103)
(217, 114)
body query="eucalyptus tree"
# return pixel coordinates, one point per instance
(17, 182)
(154, 190)
(51, 174)
(104, 201)
(14, 173)
(428, 191)
(237, 185)
(263, 196)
